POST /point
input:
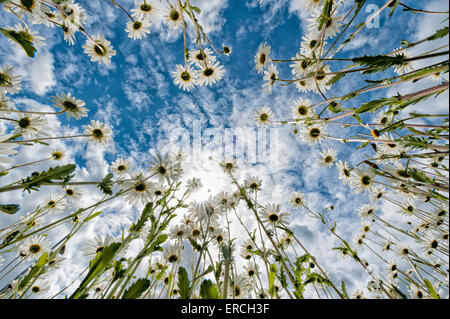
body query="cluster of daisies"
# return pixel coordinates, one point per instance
(200, 68)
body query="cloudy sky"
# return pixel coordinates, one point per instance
(136, 97)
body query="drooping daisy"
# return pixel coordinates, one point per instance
(271, 215)
(31, 125)
(210, 74)
(358, 294)
(301, 108)
(202, 58)
(158, 190)
(362, 180)
(98, 132)
(96, 245)
(253, 183)
(30, 6)
(194, 231)
(9, 82)
(313, 134)
(328, 157)
(138, 29)
(262, 57)
(71, 12)
(138, 189)
(185, 77)
(219, 236)
(5, 103)
(71, 105)
(344, 172)
(33, 247)
(99, 49)
(263, 116)
(270, 76)
(121, 166)
(430, 242)
(297, 200)
(173, 18)
(145, 10)
(224, 200)
(69, 30)
(172, 254)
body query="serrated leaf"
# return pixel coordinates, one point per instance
(208, 290)
(183, 283)
(272, 276)
(136, 289)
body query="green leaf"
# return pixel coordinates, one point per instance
(22, 39)
(58, 173)
(42, 261)
(272, 276)
(93, 216)
(9, 209)
(431, 289)
(106, 184)
(183, 283)
(136, 289)
(208, 290)
(145, 215)
(101, 261)
(379, 63)
(196, 9)
(439, 34)
(344, 289)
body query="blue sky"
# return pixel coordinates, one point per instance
(136, 96)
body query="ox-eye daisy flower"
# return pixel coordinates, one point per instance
(145, 10)
(262, 57)
(362, 180)
(33, 247)
(210, 74)
(173, 18)
(99, 49)
(271, 215)
(328, 157)
(31, 125)
(138, 189)
(185, 77)
(301, 108)
(263, 116)
(313, 134)
(138, 29)
(121, 166)
(202, 58)
(344, 171)
(71, 105)
(297, 200)
(270, 77)
(98, 132)
(9, 82)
